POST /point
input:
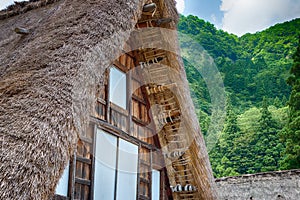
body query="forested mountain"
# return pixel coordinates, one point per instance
(254, 68)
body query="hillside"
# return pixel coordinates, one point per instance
(254, 69)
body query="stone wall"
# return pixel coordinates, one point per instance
(262, 186)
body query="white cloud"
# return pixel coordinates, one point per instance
(5, 3)
(242, 16)
(215, 21)
(213, 18)
(180, 5)
(227, 4)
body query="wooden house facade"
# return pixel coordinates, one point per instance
(119, 127)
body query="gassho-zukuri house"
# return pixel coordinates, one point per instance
(94, 104)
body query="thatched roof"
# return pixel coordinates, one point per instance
(47, 82)
(184, 135)
(47, 85)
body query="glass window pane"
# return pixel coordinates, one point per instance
(62, 186)
(155, 185)
(127, 170)
(117, 87)
(105, 165)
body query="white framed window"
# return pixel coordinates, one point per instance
(155, 184)
(63, 184)
(105, 165)
(127, 170)
(118, 87)
(116, 167)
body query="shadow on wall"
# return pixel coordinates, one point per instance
(280, 197)
(277, 197)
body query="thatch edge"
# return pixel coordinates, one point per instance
(23, 7)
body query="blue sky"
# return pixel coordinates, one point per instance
(242, 16)
(235, 16)
(205, 9)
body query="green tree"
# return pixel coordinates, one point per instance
(277, 102)
(223, 156)
(252, 66)
(291, 133)
(258, 149)
(269, 146)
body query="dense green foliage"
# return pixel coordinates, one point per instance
(291, 132)
(254, 69)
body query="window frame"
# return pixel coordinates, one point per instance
(69, 183)
(116, 178)
(159, 182)
(127, 89)
(65, 174)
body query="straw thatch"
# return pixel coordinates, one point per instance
(183, 135)
(47, 85)
(47, 81)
